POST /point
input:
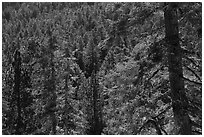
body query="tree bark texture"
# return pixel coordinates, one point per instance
(50, 88)
(17, 82)
(97, 121)
(54, 96)
(178, 95)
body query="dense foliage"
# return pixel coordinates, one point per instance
(97, 68)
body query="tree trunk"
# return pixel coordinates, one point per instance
(17, 82)
(97, 125)
(95, 120)
(66, 119)
(179, 99)
(50, 88)
(54, 96)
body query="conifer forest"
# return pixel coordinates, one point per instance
(101, 68)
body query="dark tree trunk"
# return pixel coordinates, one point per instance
(17, 82)
(50, 93)
(179, 99)
(54, 96)
(95, 120)
(66, 119)
(97, 124)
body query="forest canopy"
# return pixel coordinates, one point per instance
(101, 68)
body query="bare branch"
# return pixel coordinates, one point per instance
(186, 15)
(198, 77)
(167, 108)
(199, 104)
(195, 82)
(151, 121)
(196, 124)
(155, 73)
(198, 132)
(164, 131)
(191, 60)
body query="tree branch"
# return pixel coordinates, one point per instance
(195, 82)
(104, 48)
(155, 73)
(167, 108)
(185, 51)
(193, 73)
(199, 104)
(198, 132)
(164, 131)
(186, 15)
(196, 124)
(151, 121)
(191, 60)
